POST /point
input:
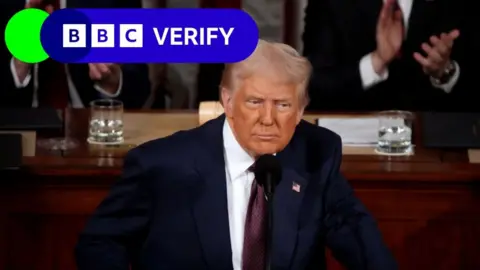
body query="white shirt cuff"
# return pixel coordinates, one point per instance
(367, 73)
(16, 80)
(106, 93)
(448, 86)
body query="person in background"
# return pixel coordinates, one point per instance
(57, 85)
(391, 54)
(191, 201)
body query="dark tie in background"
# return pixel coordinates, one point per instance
(397, 8)
(255, 238)
(52, 81)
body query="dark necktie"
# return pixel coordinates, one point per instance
(397, 8)
(52, 81)
(255, 238)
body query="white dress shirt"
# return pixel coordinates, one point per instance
(239, 183)
(76, 101)
(370, 77)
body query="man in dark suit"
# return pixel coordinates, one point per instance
(190, 200)
(53, 84)
(390, 54)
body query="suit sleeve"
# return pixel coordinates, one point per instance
(351, 232)
(10, 95)
(117, 229)
(135, 88)
(135, 85)
(460, 17)
(332, 72)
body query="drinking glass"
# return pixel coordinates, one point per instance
(395, 132)
(106, 122)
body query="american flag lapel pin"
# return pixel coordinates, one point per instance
(295, 186)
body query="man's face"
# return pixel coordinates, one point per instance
(263, 115)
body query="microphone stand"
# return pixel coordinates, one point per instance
(269, 244)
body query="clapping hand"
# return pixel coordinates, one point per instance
(107, 75)
(437, 53)
(389, 35)
(40, 4)
(99, 72)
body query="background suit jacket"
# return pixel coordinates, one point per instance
(338, 33)
(169, 209)
(136, 84)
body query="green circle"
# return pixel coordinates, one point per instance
(22, 35)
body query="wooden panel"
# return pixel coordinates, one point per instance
(427, 229)
(40, 224)
(42, 242)
(434, 228)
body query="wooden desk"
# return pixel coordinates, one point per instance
(427, 205)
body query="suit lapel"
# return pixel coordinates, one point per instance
(368, 9)
(288, 198)
(359, 19)
(210, 206)
(419, 17)
(418, 8)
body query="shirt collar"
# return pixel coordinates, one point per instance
(237, 160)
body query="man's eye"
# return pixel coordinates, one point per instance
(284, 105)
(254, 101)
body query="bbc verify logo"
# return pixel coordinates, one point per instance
(149, 35)
(103, 36)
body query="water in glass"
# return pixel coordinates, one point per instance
(395, 134)
(106, 130)
(106, 122)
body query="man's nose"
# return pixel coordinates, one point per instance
(267, 114)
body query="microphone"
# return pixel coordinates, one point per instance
(268, 173)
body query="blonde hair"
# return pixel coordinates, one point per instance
(277, 61)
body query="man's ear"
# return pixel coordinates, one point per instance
(226, 97)
(300, 115)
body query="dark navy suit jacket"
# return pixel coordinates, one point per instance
(169, 209)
